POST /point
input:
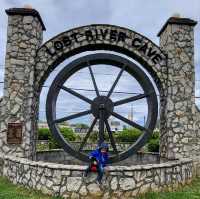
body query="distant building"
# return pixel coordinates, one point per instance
(72, 126)
(77, 128)
(81, 130)
(42, 124)
(115, 125)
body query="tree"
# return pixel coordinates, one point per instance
(128, 135)
(44, 134)
(82, 126)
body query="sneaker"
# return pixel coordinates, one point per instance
(98, 182)
(85, 174)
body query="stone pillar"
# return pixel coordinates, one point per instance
(177, 40)
(24, 37)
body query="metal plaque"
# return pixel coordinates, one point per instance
(14, 135)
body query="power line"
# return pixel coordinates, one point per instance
(109, 74)
(104, 91)
(119, 92)
(95, 73)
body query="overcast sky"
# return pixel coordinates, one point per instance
(145, 17)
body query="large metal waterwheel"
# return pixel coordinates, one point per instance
(102, 107)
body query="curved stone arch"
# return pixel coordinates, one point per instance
(101, 37)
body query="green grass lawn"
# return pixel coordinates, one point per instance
(191, 191)
(10, 191)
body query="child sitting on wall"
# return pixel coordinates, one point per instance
(98, 160)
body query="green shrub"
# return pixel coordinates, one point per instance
(128, 135)
(42, 147)
(53, 144)
(155, 135)
(153, 145)
(67, 133)
(43, 134)
(78, 138)
(81, 125)
(94, 136)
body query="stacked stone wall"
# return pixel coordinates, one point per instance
(118, 182)
(180, 138)
(197, 125)
(24, 36)
(60, 156)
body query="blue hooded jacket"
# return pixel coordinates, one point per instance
(101, 157)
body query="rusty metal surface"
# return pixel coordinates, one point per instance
(14, 134)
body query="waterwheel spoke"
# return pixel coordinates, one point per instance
(130, 99)
(70, 117)
(120, 117)
(112, 141)
(93, 80)
(76, 94)
(101, 126)
(116, 81)
(88, 134)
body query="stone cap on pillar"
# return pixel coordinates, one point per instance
(26, 12)
(177, 20)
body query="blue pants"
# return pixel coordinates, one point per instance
(100, 171)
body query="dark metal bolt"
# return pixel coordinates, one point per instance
(101, 106)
